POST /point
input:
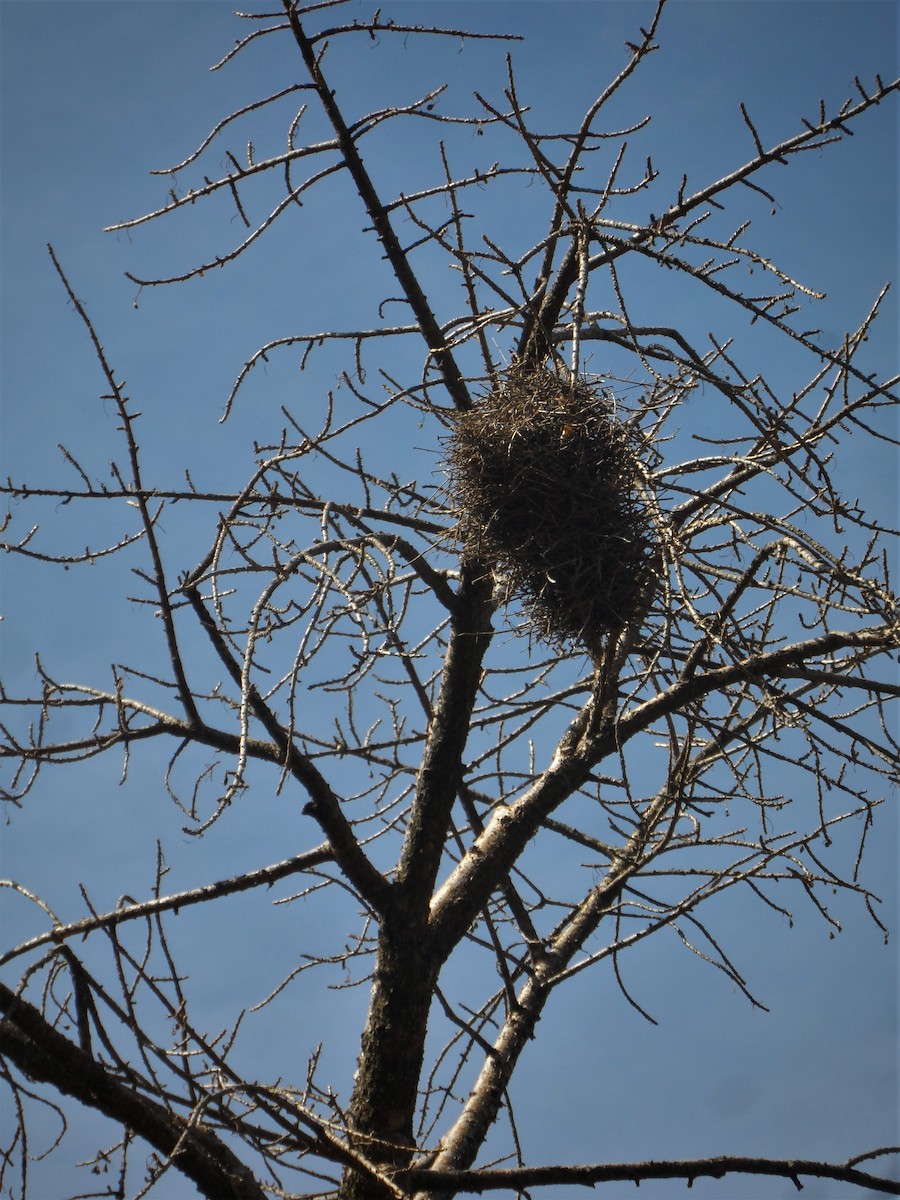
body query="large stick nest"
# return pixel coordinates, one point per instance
(547, 484)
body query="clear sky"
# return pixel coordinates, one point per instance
(96, 94)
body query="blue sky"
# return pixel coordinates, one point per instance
(95, 94)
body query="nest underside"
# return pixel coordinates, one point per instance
(546, 483)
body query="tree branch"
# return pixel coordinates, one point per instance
(446, 1183)
(404, 273)
(45, 1056)
(262, 877)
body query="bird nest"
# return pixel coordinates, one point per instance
(546, 482)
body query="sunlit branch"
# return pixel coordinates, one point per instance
(438, 1180)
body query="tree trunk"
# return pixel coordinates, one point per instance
(390, 1062)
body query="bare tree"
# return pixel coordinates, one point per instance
(539, 709)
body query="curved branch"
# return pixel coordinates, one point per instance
(44, 1055)
(185, 693)
(323, 803)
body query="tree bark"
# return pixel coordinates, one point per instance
(391, 1056)
(409, 958)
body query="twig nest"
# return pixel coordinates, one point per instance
(546, 483)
